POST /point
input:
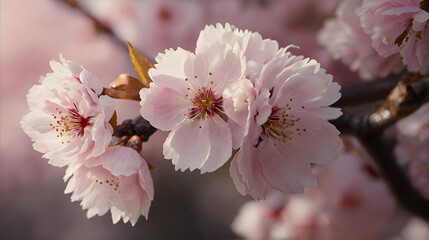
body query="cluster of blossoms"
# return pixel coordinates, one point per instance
(239, 91)
(349, 198)
(380, 37)
(69, 124)
(236, 92)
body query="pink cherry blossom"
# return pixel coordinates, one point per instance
(186, 97)
(288, 109)
(398, 26)
(68, 120)
(344, 39)
(412, 147)
(118, 180)
(257, 51)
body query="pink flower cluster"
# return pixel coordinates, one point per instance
(350, 203)
(240, 91)
(69, 123)
(379, 37)
(345, 39)
(399, 26)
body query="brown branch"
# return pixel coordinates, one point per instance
(386, 166)
(365, 92)
(408, 95)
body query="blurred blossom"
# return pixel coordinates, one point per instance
(153, 25)
(350, 203)
(416, 229)
(256, 220)
(344, 39)
(399, 26)
(412, 147)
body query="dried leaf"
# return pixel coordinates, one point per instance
(113, 121)
(141, 64)
(129, 85)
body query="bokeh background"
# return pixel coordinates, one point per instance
(187, 205)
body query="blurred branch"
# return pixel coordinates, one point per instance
(406, 97)
(365, 92)
(381, 150)
(98, 25)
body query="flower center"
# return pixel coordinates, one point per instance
(204, 101)
(281, 125)
(69, 124)
(205, 104)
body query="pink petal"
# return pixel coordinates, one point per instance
(163, 107)
(188, 145)
(121, 160)
(220, 143)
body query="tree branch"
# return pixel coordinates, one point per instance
(408, 95)
(365, 92)
(98, 25)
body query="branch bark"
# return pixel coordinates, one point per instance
(408, 95)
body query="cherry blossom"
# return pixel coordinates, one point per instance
(286, 117)
(68, 120)
(118, 180)
(344, 39)
(399, 26)
(257, 51)
(186, 98)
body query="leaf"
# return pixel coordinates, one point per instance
(128, 85)
(141, 64)
(113, 121)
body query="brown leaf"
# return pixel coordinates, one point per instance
(113, 121)
(128, 85)
(141, 64)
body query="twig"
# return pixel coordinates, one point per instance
(98, 25)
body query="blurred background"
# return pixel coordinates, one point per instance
(186, 205)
